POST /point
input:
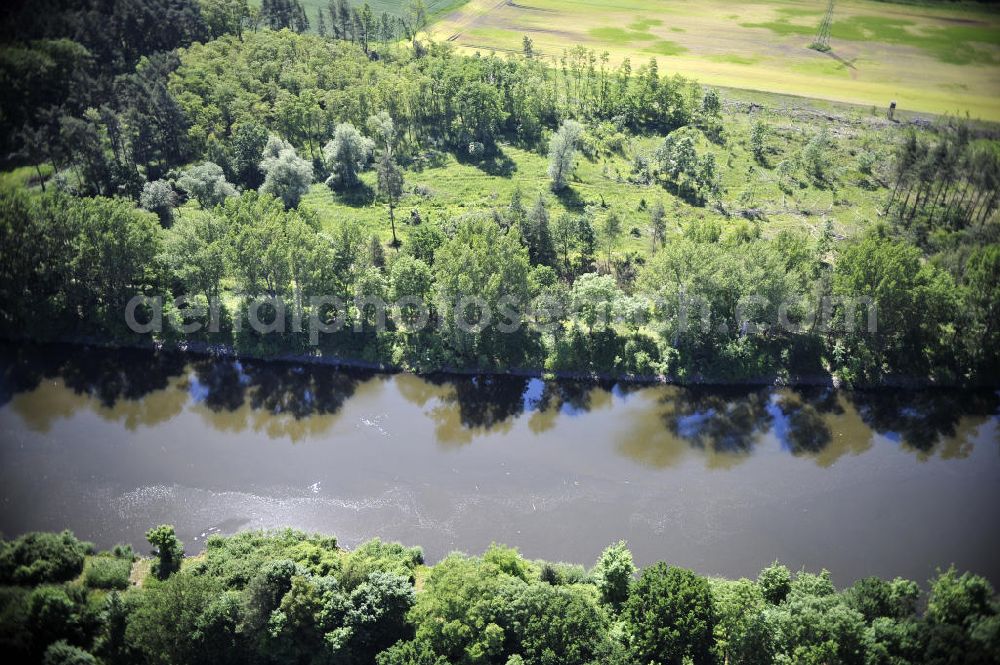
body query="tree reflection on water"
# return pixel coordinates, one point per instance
(656, 426)
(107, 376)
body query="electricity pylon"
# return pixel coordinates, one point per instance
(822, 41)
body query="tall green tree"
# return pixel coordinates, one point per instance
(479, 115)
(670, 615)
(611, 232)
(481, 262)
(758, 141)
(594, 297)
(614, 572)
(389, 175)
(657, 225)
(159, 197)
(565, 237)
(115, 253)
(742, 632)
(390, 187)
(168, 549)
(195, 251)
(537, 234)
(410, 278)
(286, 175)
(562, 151)
(164, 625)
(225, 16)
(207, 184)
(775, 583)
(258, 249)
(247, 147)
(347, 153)
(913, 304)
(982, 275)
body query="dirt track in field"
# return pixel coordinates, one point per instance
(472, 21)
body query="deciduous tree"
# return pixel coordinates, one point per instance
(346, 154)
(562, 151)
(207, 184)
(168, 550)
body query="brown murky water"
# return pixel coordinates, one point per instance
(720, 480)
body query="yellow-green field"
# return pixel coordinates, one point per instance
(926, 57)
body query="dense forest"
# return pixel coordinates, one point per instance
(290, 597)
(180, 151)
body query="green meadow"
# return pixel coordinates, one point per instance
(448, 188)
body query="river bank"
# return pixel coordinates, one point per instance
(199, 348)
